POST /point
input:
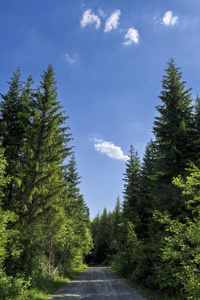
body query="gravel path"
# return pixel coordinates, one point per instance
(97, 283)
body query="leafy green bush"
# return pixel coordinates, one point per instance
(13, 288)
(180, 259)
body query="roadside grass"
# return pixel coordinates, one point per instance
(144, 291)
(43, 288)
(147, 293)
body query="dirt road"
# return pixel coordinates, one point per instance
(97, 283)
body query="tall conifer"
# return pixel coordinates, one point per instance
(78, 234)
(132, 187)
(196, 131)
(172, 129)
(3, 214)
(47, 146)
(147, 183)
(14, 118)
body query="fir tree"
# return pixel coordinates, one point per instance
(104, 238)
(172, 129)
(116, 228)
(14, 118)
(132, 188)
(117, 219)
(147, 183)
(49, 146)
(72, 178)
(4, 215)
(196, 132)
(42, 212)
(78, 233)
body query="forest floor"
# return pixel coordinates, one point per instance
(97, 283)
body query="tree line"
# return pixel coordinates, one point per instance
(153, 237)
(44, 221)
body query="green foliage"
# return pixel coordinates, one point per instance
(147, 184)
(15, 288)
(159, 228)
(116, 227)
(102, 236)
(14, 120)
(132, 188)
(42, 213)
(45, 229)
(180, 248)
(126, 260)
(78, 236)
(173, 130)
(4, 215)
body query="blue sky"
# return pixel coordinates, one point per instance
(109, 58)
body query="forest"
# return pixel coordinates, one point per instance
(151, 237)
(44, 221)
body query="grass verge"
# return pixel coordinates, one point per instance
(43, 288)
(144, 291)
(147, 293)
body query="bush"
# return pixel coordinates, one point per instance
(15, 288)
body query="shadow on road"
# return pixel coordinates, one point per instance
(97, 283)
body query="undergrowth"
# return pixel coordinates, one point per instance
(38, 289)
(144, 291)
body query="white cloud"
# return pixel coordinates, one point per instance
(109, 149)
(71, 59)
(168, 19)
(113, 21)
(132, 36)
(89, 18)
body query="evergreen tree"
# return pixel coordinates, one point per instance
(14, 118)
(173, 132)
(148, 168)
(116, 228)
(72, 178)
(41, 191)
(49, 146)
(3, 214)
(196, 132)
(78, 233)
(95, 226)
(117, 219)
(49, 140)
(102, 242)
(132, 188)
(147, 183)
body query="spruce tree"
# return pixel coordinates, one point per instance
(196, 132)
(48, 148)
(43, 185)
(95, 225)
(132, 188)
(172, 129)
(14, 119)
(72, 178)
(104, 238)
(78, 233)
(147, 183)
(117, 219)
(116, 227)
(4, 215)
